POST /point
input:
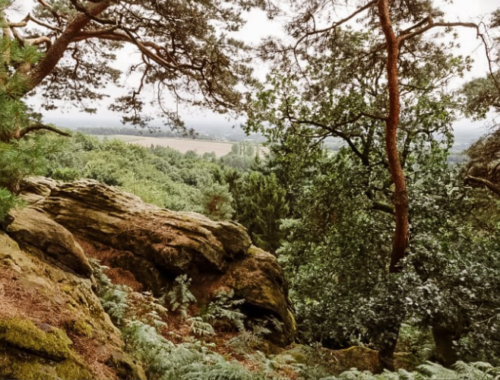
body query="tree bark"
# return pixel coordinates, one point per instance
(400, 242)
(400, 196)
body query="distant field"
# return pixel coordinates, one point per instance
(182, 145)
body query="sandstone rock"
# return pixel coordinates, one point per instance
(38, 186)
(259, 280)
(156, 245)
(177, 242)
(52, 325)
(33, 228)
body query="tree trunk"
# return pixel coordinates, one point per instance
(443, 338)
(400, 242)
(387, 346)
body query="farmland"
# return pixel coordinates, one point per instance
(181, 144)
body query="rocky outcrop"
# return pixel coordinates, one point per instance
(154, 245)
(175, 242)
(32, 229)
(52, 325)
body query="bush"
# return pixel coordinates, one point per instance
(7, 202)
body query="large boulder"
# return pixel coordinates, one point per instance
(157, 245)
(176, 242)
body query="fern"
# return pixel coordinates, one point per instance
(431, 371)
(244, 342)
(460, 371)
(114, 298)
(226, 308)
(140, 320)
(114, 301)
(165, 361)
(199, 327)
(280, 367)
(180, 296)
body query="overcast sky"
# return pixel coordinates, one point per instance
(259, 27)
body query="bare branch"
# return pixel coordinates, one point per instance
(39, 41)
(337, 23)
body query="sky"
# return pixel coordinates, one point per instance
(257, 28)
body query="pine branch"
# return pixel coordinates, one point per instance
(41, 127)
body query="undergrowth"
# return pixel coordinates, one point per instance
(141, 319)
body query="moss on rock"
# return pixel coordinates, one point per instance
(25, 335)
(30, 352)
(82, 328)
(125, 367)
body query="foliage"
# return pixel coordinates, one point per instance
(225, 308)
(242, 156)
(340, 242)
(7, 202)
(332, 83)
(460, 371)
(260, 204)
(180, 297)
(216, 202)
(203, 65)
(417, 341)
(161, 176)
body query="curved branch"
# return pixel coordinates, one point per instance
(432, 25)
(41, 127)
(484, 182)
(30, 17)
(58, 48)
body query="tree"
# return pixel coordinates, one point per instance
(260, 205)
(364, 85)
(482, 97)
(64, 50)
(182, 52)
(337, 247)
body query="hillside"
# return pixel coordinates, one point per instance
(190, 297)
